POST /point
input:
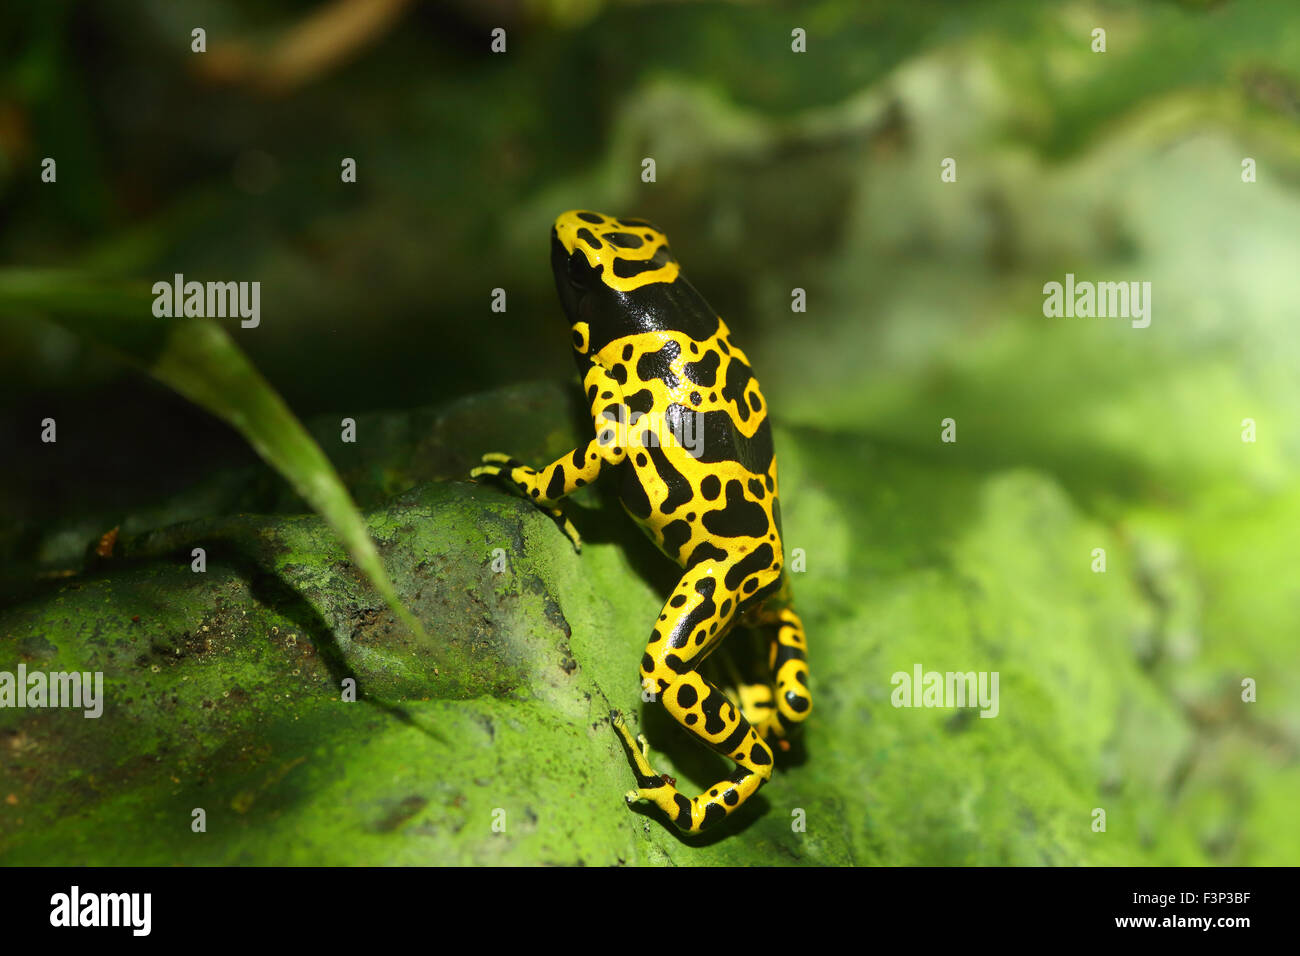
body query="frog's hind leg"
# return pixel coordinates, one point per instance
(788, 656)
(695, 618)
(742, 658)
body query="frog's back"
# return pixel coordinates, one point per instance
(701, 474)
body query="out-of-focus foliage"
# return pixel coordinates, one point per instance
(198, 359)
(1119, 691)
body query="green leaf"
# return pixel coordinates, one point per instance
(198, 359)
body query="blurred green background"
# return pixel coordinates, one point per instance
(775, 170)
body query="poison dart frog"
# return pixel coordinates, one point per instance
(681, 423)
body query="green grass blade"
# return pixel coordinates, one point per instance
(200, 361)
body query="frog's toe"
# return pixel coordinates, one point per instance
(569, 530)
(508, 469)
(497, 463)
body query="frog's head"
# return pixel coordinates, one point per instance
(597, 259)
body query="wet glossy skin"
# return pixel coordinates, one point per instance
(681, 421)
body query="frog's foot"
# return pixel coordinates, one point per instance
(689, 815)
(776, 732)
(529, 482)
(639, 748)
(790, 682)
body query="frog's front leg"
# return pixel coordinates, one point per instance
(572, 471)
(695, 618)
